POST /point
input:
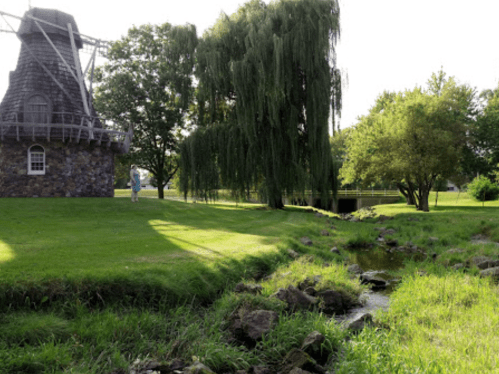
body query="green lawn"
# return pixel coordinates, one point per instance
(189, 249)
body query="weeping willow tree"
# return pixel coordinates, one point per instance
(273, 66)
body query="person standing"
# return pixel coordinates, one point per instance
(135, 183)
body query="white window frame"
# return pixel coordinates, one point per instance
(30, 170)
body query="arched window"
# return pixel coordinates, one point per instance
(37, 108)
(36, 160)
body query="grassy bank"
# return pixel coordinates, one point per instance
(441, 320)
(93, 285)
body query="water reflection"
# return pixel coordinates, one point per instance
(377, 259)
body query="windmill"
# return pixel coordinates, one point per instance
(47, 110)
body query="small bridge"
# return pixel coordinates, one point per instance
(351, 200)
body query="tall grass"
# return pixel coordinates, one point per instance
(437, 325)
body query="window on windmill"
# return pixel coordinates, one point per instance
(37, 109)
(36, 160)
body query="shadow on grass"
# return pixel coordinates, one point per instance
(101, 252)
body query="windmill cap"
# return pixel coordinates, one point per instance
(53, 16)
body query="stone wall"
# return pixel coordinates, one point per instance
(71, 170)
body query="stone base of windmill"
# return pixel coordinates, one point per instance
(70, 170)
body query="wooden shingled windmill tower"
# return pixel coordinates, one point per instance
(52, 143)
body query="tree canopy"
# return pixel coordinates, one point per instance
(486, 134)
(147, 82)
(411, 138)
(271, 68)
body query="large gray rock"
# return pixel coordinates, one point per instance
(296, 358)
(354, 268)
(335, 250)
(479, 259)
(259, 370)
(198, 368)
(488, 264)
(309, 282)
(491, 272)
(176, 364)
(148, 366)
(306, 241)
(299, 371)
(312, 344)
(333, 302)
(295, 298)
(361, 322)
(257, 323)
(376, 278)
(458, 266)
(292, 254)
(249, 288)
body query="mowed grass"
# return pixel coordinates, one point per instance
(188, 249)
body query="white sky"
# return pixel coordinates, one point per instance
(385, 44)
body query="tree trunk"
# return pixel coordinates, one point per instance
(424, 194)
(408, 193)
(161, 187)
(334, 207)
(275, 202)
(161, 192)
(275, 197)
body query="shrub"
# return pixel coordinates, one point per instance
(482, 189)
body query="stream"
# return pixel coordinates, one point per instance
(375, 263)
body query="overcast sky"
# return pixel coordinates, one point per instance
(385, 44)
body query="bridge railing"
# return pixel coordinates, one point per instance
(368, 192)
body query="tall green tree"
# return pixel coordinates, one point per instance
(274, 65)
(486, 134)
(148, 82)
(414, 138)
